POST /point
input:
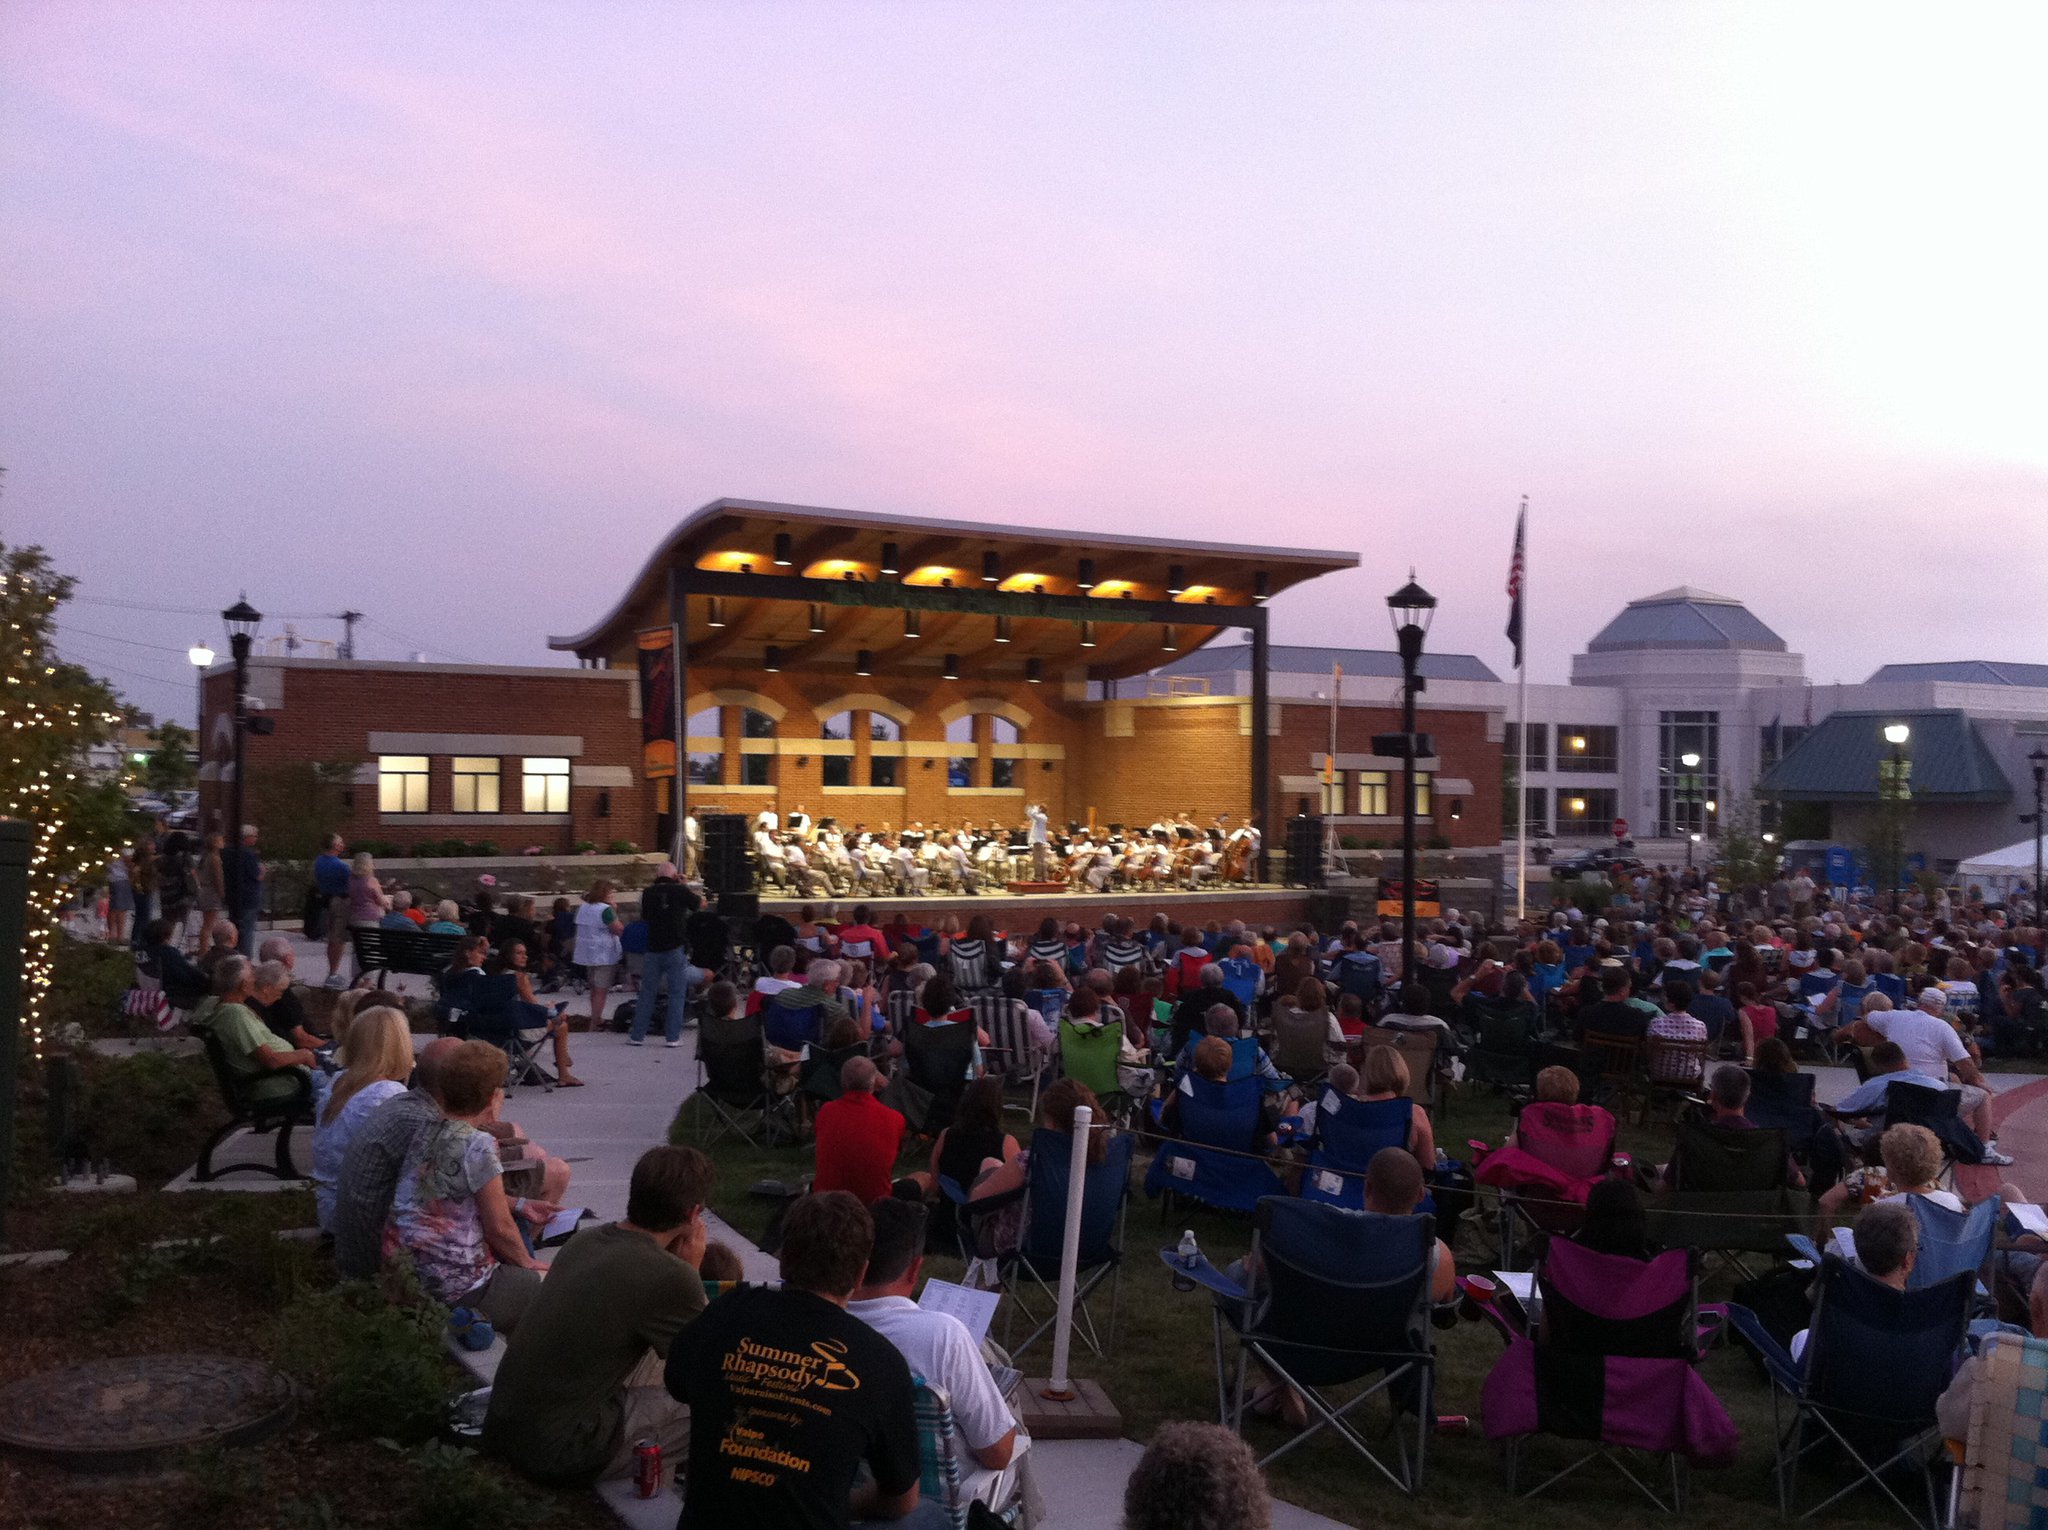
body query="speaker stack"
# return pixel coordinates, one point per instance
(1305, 852)
(728, 864)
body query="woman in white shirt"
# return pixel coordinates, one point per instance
(597, 946)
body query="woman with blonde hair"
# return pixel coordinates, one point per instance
(1386, 1078)
(379, 1063)
(368, 903)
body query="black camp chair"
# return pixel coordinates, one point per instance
(732, 1062)
(1730, 1193)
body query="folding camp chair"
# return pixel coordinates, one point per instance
(1088, 1055)
(732, 1063)
(900, 1008)
(1418, 1050)
(2001, 1486)
(1329, 1298)
(1216, 1159)
(1504, 1055)
(1610, 1068)
(1034, 1270)
(817, 1076)
(1730, 1193)
(971, 965)
(1875, 1361)
(1299, 1038)
(1010, 1047)
(1784, 1101)
(937, 1059)
(486, 1008)
(1560, 1152)
(939, 1471)
(1611, 1364)
(1940, 1111)
(1348, 1133)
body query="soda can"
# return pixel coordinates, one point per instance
(1619, 1165)
(1453, 1423)
(647, 1469)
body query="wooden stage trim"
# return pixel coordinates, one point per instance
(1256, 906)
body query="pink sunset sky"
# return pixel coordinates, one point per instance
(448, 313)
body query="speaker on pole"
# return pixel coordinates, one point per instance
(1305, 851)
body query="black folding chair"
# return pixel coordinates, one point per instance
(1331, 1298)
(1875, 1362)
(1730, 1193)
(732, 1063)
(936, 1059)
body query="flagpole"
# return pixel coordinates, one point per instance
(1522, 730)
(1331, 853)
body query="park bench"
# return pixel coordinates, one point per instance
(385, 951)
(258, 1116)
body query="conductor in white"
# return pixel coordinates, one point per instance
(1040, 840)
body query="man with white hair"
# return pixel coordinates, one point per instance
(286, 1013)
(1933, 1048)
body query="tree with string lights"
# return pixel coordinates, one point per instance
(51, 713)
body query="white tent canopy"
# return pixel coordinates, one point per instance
(2002, 870)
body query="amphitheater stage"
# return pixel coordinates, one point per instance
(1257, 905)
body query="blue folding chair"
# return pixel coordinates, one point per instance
(1241, 979)
(1876, 1359)
(1952, 1242)
(1348, 1133)
(1105, 1193)
(1219, 1126)
(1329, 1298)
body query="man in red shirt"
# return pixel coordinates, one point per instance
(859, 1138)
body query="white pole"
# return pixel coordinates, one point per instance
(1522, 734)
(1060, 1386)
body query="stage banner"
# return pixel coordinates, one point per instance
(1428, 904)
(657, 655)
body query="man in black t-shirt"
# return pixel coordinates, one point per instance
(789, 1396)
(1614, 1015)
(665, 986)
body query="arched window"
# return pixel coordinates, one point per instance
(705, 767)
(960, 758)
(884, 770)
(837, 769)
(1004, 737)
(756, 769)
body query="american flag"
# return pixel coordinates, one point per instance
(1515, 582)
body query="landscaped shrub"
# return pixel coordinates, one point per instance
(375, 1367)
(87, 980)
(148, 1114)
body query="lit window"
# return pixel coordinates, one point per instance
(545, 785)
(1372, 793)
(401, 783)
(1002, 731)
(1425, 795)
(838, 726)
(475, 780)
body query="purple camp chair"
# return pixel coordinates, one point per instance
(1612, 1364)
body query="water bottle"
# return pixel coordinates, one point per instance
(1190, 1256)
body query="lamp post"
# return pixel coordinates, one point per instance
(1894, 788)
(1689, 794)
(2039, 760)
(242, 619)
(1411, 608)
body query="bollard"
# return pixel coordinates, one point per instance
(1060, 1387)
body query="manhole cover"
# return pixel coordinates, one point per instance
(121, 1413)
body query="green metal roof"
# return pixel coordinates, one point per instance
(1838, 760)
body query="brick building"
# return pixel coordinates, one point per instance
(874, 669)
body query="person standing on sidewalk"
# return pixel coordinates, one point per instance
(668, 978)
(245, 889)
(330, 884)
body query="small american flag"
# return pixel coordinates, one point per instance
(1515, 582)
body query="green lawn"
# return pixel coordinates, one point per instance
(1162, 1368)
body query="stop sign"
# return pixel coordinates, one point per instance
(1621, 828)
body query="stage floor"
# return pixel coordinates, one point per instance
(1260, 904)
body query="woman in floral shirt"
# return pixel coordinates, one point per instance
(451, 1212)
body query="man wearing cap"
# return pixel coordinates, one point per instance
(668, 978)
(1933, 1048)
